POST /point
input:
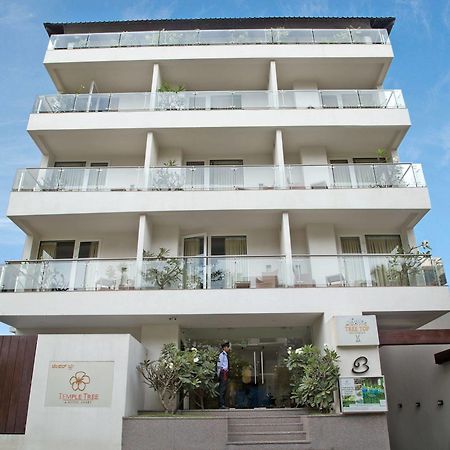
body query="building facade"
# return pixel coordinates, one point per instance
(208, 180)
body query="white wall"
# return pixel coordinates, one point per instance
(412, 376)
(64, 427)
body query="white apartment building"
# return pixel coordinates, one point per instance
(262, 155)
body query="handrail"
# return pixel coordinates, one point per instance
(220, 100)
(237, 177)
(273, 36)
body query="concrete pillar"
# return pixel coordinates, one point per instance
(286, 247)
(307, 95)
(321, 240)
(408, 238)
(153, 337)
(151, 158)
(156, 84)
(28, 247)
(144, 244)
(273, 84)
(395, 158)
(316, 173)
(278, 161)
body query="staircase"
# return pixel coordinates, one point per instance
(267, 429)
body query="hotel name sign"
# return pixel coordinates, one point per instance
(79, 383)
(356, 330)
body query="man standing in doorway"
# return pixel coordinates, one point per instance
(222, 373)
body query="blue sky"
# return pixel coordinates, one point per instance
(421, 68)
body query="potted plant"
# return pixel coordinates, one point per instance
(162, 272)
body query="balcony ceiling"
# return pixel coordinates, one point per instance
(77, 145)
(216, 222)
(223, 74)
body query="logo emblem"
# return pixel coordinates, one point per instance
(79, 381)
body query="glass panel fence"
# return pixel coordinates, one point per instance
(208, 100)
(139, 39)
(68, 41)
(367, 270)
(223, 272)
(103, 40)
(368, 36)
(219, 37)
(80, 179)
(289, 36)
(105, 275)
(219, 177)
(332, 36)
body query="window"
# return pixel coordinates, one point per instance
(228, 245)
(350, 244)
(383, 244)
(56, 250)
(88, 249)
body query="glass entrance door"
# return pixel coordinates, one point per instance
(259, 378)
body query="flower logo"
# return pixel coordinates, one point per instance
(79, 381)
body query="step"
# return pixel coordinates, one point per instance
(274, 420)
(267, 436)
(264, 426)
(258, 445)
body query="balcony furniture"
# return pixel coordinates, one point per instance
(242, 285)
(335, 280)
(267, 280)
(105, 284)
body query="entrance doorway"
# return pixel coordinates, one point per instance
(258, 375)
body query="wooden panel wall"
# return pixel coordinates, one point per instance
(16, 370)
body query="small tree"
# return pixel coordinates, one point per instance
(163, 271)
(189, 371)
(314, 376)
(404, 265)
(203, 371)
(168, 375)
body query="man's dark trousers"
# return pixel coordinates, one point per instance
(223, 382)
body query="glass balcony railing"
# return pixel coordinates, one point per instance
(218, 37)
(209, 178)
(222, 272)
(367, 270)
(219, 100)
(348, 176)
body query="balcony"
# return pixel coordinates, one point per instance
(211, 178)
(222, 272)
(218, 37)
(217, 100)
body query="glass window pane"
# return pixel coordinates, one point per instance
(88, 249)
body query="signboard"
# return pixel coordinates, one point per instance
(356, 330)
(79, 383)
(359, 394)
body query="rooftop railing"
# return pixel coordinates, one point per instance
(218, 37)
(222, 272)
(219, 100)
(204, 178)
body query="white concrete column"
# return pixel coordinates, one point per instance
(315, 173)
(156, 84)
(151, 158)
(307, 95)
(395, 158)
(27, 247)
(144, 244)
(286, 247)
(272, 86)
(278, 161)
(408, 238)
(153, 337)
(321, 240)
